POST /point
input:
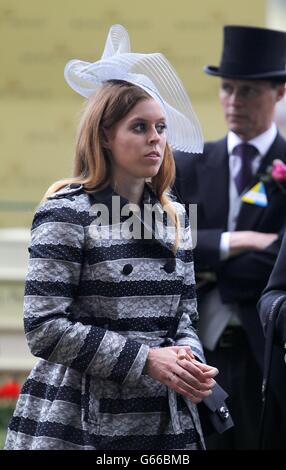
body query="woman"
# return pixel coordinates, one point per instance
(109, 299)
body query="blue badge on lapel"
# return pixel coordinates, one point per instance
(256, 195)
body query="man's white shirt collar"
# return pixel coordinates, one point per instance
(262, 141)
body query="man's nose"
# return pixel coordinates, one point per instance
(235, 98)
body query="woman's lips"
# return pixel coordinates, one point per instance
(153, 156)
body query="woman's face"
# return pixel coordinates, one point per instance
(137, 142)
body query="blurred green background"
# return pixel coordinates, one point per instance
(39, 112)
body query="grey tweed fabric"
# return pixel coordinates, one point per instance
(93, 307)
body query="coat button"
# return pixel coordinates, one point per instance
(127, 269)
(170, 266)
(224, 413)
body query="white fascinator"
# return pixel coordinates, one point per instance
(153, 73)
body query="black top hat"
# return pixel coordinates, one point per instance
(252, 53)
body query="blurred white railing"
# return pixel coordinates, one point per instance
(14, 353)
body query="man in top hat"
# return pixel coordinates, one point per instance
(240, 219)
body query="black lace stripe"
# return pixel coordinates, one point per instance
(188, 292)
(153, 442)
(47, 288)
(124, 361)
(50, 392)
(114, 252)
(80, 437)
(88, 350)
(57, 252)
(129, 324)
(185, 255)
(107, 289)
(136, 405)
(136, 249)
(131, 288)
(55, 430)
(61, 214)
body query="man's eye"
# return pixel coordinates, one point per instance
(226, 88)
(251, 91)
(247, 91)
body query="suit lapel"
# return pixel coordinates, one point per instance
(215, 197)
(250, 214)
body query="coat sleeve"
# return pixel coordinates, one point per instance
(52, 285)
(207, 251)
(242, 278)
(275, 291)
(186, 334)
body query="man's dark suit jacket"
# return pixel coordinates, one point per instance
(204, 180)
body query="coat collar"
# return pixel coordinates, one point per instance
(120, 210)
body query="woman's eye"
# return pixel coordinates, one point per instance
(161, 128)
(140, 127)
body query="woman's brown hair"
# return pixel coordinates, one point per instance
(92, 164)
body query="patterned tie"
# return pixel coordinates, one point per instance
(246, 152)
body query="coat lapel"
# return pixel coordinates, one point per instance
(120, 210)
(250, 214)
(150, 225)
(214, 196)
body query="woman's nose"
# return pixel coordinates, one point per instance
(154, 136)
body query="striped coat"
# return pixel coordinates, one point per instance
(93, 307)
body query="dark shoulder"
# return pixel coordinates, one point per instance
(280, 138)
(68, 191)
(215, 145)
(184, 160)
(279, 147)
(71, 204)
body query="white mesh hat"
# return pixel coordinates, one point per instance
(153, 73)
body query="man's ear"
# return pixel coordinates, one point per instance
(281, 91)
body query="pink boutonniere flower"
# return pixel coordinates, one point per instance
(278, 172)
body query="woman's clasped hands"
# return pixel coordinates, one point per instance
(176, 367)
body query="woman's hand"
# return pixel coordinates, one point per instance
(184, 359)
(184, 375)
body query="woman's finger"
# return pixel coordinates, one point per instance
(206, 370)
(190, 383)
(192, 368)
(175, 382)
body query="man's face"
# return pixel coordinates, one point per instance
(249, 105)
